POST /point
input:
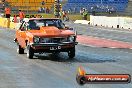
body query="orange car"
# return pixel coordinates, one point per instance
(40, 35)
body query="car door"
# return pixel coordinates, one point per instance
(18, 34)
(22, 35)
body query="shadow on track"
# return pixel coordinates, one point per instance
(78, 59)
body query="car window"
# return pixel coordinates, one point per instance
(35, 24)
(57, 23)
(50, 23)
(40, 24)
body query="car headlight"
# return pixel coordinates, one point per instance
(36, 39)
(72, 38)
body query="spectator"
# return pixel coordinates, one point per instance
(56, 14)
(67, 17)
(74, 10)
(64, 15)
(47, 10)
(43, 9)
(40, 9)
(60, 14)
(109, 11)
(7, 13)
(93, 10)
(21, 15)
(112, 10)
(81, 11)
(69, 11)
(85, 13)
(42, 3)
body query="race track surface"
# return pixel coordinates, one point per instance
(58, 71)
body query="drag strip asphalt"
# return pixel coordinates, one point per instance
(102, 32)
(58, 71)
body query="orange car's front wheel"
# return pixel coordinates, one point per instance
(71, 52)
(30, 52)
(20, 50)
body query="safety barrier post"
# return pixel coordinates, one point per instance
(8, 22)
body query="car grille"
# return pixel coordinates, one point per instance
(53, 40)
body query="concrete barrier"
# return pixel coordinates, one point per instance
(127, 23)
(4, 23)
(13, 25)
(82, 22)
(113, 22)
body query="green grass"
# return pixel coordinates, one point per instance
(72, 17)
(48, 15)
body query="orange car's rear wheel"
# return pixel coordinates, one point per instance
(30, 52)
(20, 50)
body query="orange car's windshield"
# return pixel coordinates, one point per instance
(34, 24)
